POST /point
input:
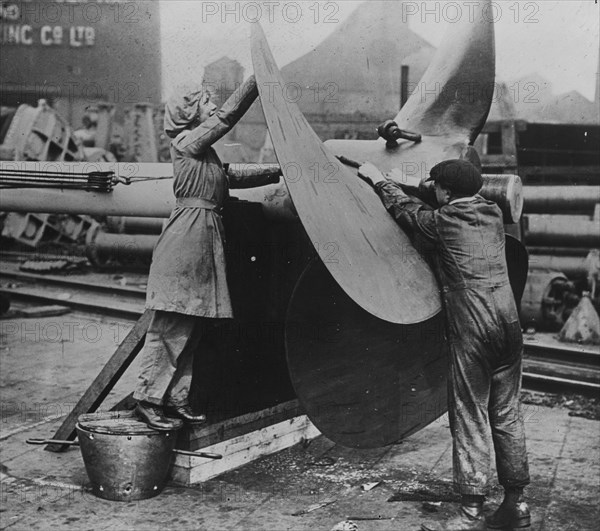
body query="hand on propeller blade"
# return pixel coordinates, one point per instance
(368, 172)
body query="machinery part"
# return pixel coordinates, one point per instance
(27, 229)
(547, 229)
(103, 247)
(93, 181)
(574, 267)
(547, 299)
(251, 175)
(150, 193)
(39, 133)
(364, 382)
(135, 225)
(554, 199)
(463, 73)
(374, 261)
(31, 229)
(391, 133)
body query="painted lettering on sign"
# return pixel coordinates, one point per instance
(25, 35)
(49, 34)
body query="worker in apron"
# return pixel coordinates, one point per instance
(187, 284)
(484, 335)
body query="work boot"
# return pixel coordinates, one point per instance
(185, 413)
(513, 512)
(470, 518)
(154, 417)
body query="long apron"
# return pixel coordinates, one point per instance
(188, 273)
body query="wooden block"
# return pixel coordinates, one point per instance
(203, 436)
(242, 450)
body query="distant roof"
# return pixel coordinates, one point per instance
(368, 48)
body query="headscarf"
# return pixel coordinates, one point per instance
(181, 110)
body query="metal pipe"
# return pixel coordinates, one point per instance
(570, 266)
(134, 225)
(554, 199)
(150, 193)
(507, 192)
(504, 190)
(576, 231)
(558, 251)
(103, 246)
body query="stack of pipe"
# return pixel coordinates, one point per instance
(103, 247)
(129, 239)
(561, 226)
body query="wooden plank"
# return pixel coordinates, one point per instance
(202, 436)
(242, 450)
(369, 255)
(105, 381)
(363, 382)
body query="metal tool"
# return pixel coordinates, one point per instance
(207, 455)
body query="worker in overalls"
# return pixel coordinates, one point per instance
(187, 283)
(484, 335)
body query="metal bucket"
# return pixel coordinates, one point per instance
(124, 459)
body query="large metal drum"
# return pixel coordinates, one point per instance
(124, 459)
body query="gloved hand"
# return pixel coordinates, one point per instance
(274, 178)
(252, 175)
(370, 173)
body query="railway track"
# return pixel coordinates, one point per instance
(97, 297)
(547, 365)
(560, 366)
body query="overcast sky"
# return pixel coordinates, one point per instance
(557, 39)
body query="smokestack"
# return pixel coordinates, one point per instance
(403, 85)
(597, 95)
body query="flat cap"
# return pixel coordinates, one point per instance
(459, 176)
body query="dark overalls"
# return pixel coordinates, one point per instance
(484, 334)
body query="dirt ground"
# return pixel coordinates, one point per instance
(313, 486)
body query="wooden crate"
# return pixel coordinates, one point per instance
(240, 440)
